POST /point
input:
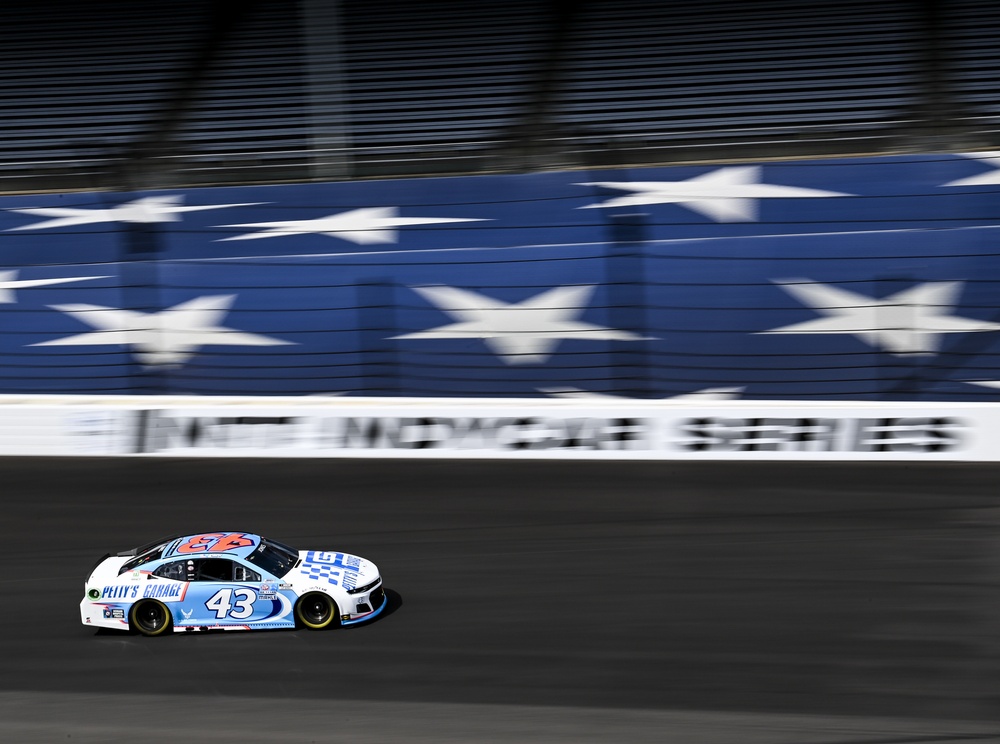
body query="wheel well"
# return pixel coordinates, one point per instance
(322, 594)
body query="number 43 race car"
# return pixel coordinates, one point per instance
(230, 581)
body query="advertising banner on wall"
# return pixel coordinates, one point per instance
(450, 428)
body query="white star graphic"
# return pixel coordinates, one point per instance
(910, 321)
(361, 226)
(521, 332)
(995, 384)
(9, 282)
(724, 195)
(982, 179)
(168, 337)
(148, 209)
(716, 393)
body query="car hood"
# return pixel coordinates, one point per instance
(329, 568)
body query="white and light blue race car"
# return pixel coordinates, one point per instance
(230, 581)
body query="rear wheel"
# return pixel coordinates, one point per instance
(150, 617)
(316, 611)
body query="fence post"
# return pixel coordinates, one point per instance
(140, 277)
(626, 282)
(376, 326)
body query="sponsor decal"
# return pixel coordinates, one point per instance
(116, 614)
(909, 434)
(268, 590)
(120, 592)
(187, 614)
(159, 591)
(163, 591)
(336, 568)
(329, 558)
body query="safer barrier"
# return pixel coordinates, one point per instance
(493, 428)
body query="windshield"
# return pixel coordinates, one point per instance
(273, 557)
(139, 560)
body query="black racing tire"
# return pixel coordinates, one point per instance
(316, 611)
(150, 617)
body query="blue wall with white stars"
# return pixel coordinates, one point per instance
(853, 279)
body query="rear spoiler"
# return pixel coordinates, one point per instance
(99, 562)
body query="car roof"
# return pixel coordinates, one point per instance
(209, 544)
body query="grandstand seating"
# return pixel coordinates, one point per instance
(308, 89)
(974, 61)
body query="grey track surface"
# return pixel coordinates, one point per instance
(535, 601)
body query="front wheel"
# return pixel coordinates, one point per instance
(316, 611)
(149, 617)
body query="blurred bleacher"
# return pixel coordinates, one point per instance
(127, 95)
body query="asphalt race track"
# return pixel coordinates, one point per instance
(530, 602)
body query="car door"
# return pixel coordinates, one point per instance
(170, 583)
(214, 598)
(224, 592)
